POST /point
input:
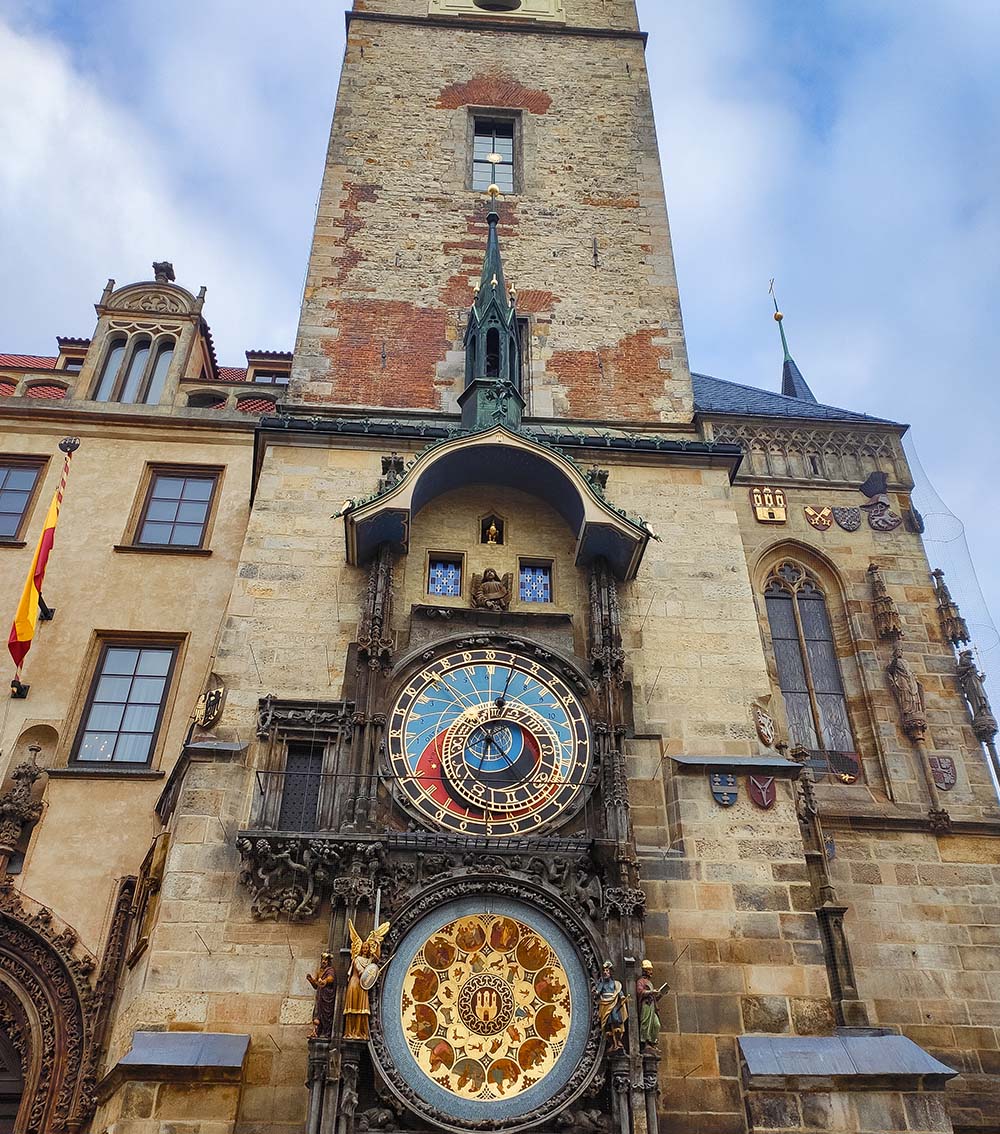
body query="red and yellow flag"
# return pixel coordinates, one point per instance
(22, 632)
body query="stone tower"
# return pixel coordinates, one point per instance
(582, 745)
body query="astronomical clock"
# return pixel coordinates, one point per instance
(489, 742)
(473, 831)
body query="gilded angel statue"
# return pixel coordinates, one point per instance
(364, 972)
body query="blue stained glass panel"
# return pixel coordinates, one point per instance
(535, 584)
(445, 577)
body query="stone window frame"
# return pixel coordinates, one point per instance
(157, 342)
(38, 462)
(452, 556)
(537, 561)
(495, 114)
(102, 642)
(858, 705)
(140, 506)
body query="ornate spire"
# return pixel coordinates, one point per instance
(492, 393)
(793, 385)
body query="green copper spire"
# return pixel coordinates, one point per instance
(492, 394)
(793, 385)
(492, 286)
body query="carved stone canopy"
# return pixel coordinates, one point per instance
(499, 457)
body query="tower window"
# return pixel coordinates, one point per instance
(445, 577)
(492, 353)
(493, 155)
(806, 657)
(535, 582)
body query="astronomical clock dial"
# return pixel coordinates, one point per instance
(488, 742)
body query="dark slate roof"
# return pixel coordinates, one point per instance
(793, 385)
(715, 395)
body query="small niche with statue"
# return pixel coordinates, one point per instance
(492, 529)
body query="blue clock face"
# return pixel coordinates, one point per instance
(488, 742)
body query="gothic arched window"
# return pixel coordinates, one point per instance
(806, 657)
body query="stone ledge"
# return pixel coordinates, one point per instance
(740, 765)
(854, 1062)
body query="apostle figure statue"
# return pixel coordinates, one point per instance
(612, 1008)
(325, 983)
(648, 996)
(364, 971)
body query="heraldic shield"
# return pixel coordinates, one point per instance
(762, 791)
(944, 772)
(724, 789)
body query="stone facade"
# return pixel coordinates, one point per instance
(824, 914)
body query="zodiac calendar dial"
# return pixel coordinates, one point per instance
(488, 742)
(486, 1008)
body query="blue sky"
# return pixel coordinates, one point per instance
(850, 149)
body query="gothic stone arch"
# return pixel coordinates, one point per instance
(48, 1011)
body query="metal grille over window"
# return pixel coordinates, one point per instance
(535, 584)
(123, 715)
(445, 578)
(493, 155)
(176, 511)
(16, 485)
(300, 788)
(806, 657)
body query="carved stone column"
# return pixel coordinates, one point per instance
(849, 1008)
(319, 1061)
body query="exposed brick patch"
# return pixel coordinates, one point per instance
(533, 302)
(624, 380)
(415, 342)
(494, 89)
(355, 194)
(631, 202)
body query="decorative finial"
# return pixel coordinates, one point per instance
(778, 318)
(494, 192)
(494, 283)
(163, 271)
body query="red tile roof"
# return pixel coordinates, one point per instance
(28, 362)
(232, 373)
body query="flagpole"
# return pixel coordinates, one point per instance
(32, 605)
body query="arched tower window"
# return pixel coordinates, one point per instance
(136, 369)
(161, 364)
(806, 657)
(109, 372)
(493, 353)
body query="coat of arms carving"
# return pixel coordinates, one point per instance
(770, 505)
(724, 789)
(762, 792)
(820, 518)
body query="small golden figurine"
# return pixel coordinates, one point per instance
(365, 971)
(325, 983)
(492, 532)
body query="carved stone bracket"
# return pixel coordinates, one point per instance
(299, 716)
(290, 876)
(18, 809)
(624, 902)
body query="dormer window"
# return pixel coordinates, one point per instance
(269, 377)
(73, 363)
(134, 369)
